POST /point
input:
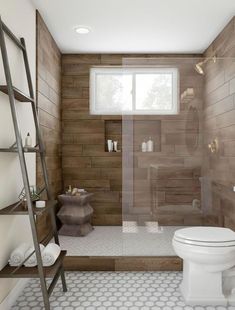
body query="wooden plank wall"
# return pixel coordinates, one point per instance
(219, 122)
(84, 160)
(49, 108)
(123, 263)
(86, 164)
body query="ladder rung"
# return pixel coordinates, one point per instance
(15, 150)
(31, 150)
(17, 93)
(12, 36)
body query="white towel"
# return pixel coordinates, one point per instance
(32, 261)
(50, 254)
(17, 256)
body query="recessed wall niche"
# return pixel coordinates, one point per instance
(143, 130)
(113, 131)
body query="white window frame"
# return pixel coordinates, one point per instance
(134, 71)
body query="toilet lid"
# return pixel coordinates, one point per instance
(206, 236)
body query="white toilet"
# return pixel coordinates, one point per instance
(206, 253)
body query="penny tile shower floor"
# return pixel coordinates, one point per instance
(111, 291)
(122, 241)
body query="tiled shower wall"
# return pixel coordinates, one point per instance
(49, 109)
(219, 122)
(49, 103)
(85, 162)
(172, 171)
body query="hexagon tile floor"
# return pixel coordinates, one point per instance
(110, 290)
(112, 241)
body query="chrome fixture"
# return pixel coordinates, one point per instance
(213, 146)
(199, 65)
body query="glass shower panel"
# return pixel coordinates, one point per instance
(172, 185)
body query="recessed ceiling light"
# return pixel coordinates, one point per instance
(82, 29)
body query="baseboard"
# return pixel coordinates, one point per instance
(11, 298)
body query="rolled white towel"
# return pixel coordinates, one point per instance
(17, 256)
(32, 261)
(50, 254)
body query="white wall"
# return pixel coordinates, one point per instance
(19, 16)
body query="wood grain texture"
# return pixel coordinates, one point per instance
(85, 157)
(113, 263)
(85, 161)
(48, 94)
(87, 165)
(219, 122)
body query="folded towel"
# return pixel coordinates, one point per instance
(32, 261)
(50, 254)
(17, 256)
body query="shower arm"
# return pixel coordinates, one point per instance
(213, 58)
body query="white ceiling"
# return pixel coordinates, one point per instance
(136, 26)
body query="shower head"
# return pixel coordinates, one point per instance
(199, 66)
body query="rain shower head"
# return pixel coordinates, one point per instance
(199, 66)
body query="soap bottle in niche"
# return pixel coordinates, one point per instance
(144, 146)
(115, 144)
(110, 145)
(150, 145)
(28, 140)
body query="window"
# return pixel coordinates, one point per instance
(133, 91)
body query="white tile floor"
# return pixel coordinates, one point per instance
(111, 291)
(112, 241)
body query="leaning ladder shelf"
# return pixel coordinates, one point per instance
(15, 95)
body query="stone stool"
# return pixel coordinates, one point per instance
(75, 215)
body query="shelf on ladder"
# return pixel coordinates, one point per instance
(32, 272)
(19, 95)
(18, 208)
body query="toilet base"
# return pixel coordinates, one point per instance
(229, 285)
(200, 287)
(231, 300)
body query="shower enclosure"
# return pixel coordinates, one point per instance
(185, 107)
(173, 185)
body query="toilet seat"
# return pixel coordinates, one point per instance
(206, 236)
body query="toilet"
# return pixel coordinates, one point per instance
(208, 253)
